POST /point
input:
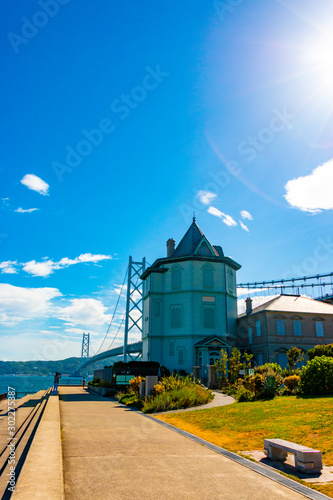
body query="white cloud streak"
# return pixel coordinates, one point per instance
(47, 266)
(35, 183)
(246, 215)
(8, 267)
(20, 210)
(312, 193)
(206, 197)
(243, 226)
(227, 219)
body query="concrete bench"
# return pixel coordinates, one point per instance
(307, 459)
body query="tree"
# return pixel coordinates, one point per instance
(248, 359)
(294, 355)
(221, 368)
(235, 365)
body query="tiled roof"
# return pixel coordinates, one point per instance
(294, 304)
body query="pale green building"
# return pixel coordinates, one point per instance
(189, 304)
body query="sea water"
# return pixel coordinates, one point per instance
(33, 383)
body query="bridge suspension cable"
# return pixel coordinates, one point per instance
(114, 313)
(293, 283)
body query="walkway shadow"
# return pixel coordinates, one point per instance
(31, 403)
(85, 396)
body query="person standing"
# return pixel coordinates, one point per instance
(56, 382)
(83, 382)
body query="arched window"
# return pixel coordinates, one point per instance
(208, 276)
(176, 277)
(213, 356)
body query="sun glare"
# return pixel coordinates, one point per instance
(319, 57)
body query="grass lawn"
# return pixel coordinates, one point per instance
(243, 426)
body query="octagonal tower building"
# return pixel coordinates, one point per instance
(189, 304)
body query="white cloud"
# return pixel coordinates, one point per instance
(47, 267)
(28, 210)
(18, 304)
(206, 197)
(246, 215)
(312, 193)
(35, 183)
(84, 312)
(42, 269)
(7, 267)
(227, 219)
(243, 226)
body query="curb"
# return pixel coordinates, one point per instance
(42, 474)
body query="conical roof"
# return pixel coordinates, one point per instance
(192, 241)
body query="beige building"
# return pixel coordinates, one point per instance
(271, 329)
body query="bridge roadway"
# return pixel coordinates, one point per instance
(116, 351)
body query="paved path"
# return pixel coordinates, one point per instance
(111, 452)
(220, 399)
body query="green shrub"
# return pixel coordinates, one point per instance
(95, 381)
(134, 384)
(158, 389)
(288, 372)
(244, 394)
(129, 399)
(270, 387)
(317, 376)
(275, 367)
(320, 350)
(254, 383)
(174, 382)
(183, 397)
(291, 383)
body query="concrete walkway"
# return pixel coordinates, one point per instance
(111, 452)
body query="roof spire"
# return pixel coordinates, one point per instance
(194, 217)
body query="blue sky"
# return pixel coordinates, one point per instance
(121, 119)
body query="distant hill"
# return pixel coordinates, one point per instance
(64, 366)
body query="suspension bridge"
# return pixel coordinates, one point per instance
(318, 286)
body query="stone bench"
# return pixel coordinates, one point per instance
(307, 459)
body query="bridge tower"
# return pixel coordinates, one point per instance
(133, 316)
(85, 345)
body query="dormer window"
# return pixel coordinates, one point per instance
(204, 249)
